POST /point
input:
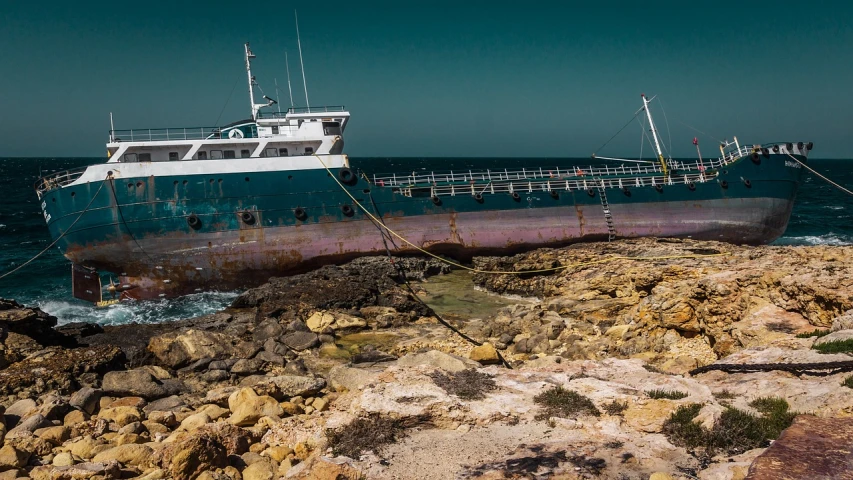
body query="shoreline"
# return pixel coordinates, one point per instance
(271, 386)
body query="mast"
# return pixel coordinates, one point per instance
(249, 57)
(289, 88)
(299, 42)
(654, 133)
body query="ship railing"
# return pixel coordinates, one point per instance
(546, 186)
(57, 180)
(573, 172)
(321, 109)
(167, 134)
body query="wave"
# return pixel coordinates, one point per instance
(190, 306)
(826, 239)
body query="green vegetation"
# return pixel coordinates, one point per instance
(364, 434)
(559, 402)
(668, 394)
(736, 431)
(814, 333)
(848, 382)
(652, 368)
(837, 346)
(724, 395)
(467, 384)
(615, 407)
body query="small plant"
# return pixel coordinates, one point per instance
(467, 384)
(364, 434)
(724, 395)
(837, 346)
(614, 444)
(736, 431)
(848, 382)
(615, 407)
(815, 333)
(667, 394)
(559, 402)
(652, 368)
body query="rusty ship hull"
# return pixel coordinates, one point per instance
(165, 235)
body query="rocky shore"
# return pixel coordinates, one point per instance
(345, 373)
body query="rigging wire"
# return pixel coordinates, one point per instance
(668, 132)
(699, 131)
(61, 236)
(848, 192)
(620, 130)
(216, 123)
(642, 135)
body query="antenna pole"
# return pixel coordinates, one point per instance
(289, 88)
(276, 96)
(299, 42)
(654, 133)
(249, 57)
(112, 128)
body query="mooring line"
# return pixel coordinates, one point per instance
(848, 192)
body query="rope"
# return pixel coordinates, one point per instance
(834, 367)
(498, 272)
(620, 130)
(59, 237)
(216, 123)
(848, 192)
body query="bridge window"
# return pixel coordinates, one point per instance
(173, 156)
(270, 152)
(144, 157)
(282, 152)
(309, 150)
(229, 154)
(202, 155)
(245, 154)
(275, 130)
(129, 157)
(216, 154)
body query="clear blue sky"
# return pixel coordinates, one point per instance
(521, 78)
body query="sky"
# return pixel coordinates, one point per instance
(438, 78)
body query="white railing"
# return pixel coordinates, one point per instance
(557, 173)
(58, 179)
(167, 134)
(547, 186)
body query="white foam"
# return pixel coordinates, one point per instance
(825, 239)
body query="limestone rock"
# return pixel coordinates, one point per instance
(262, 470)
(247, 366)
(485, 354)
(301, 340)
(343, 378)
(187, 459)
(434, 358)
(172, 403)
(836, 336)
(177, 349)
(121, 416)
(11, 457)
(316, 467)
(320, 321)
(129, 454)
(285, 386)
(86, 399)
(139, 382)
(811, 447)
(247, 407)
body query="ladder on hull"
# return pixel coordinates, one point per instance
(608, 217)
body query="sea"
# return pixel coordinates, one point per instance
(823, 215)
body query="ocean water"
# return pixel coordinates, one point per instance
(823, 215)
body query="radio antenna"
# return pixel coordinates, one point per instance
(299, 43)
(289, 89)
(276, 96)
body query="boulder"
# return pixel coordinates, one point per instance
(60, 369)
(86, 399)
(485, 354)
(28, 425)
(247, 366)
(343, 378)
(19, 409)
(301, 340)
(128, 454)
(247, 407)
(80, 471)
(11, 457)
(262, 470)
(121, 416)
(285, 386)
(139, 382)
(317, 467)
(168, 404)
(177, 349)
(320, 321)
(54, 435)
(843, 321)
(269, 357)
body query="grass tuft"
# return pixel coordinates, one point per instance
(837, 346)
(724, 395)
(848, 382)
(364, 434)
(615, 407)
(559, 402)
(667, 394)
(815, 333)
(652, 368)
(467, 384)
(736, 431)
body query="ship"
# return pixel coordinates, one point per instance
(174, 211)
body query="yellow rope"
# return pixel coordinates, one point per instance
(819, 175)
(475, 270)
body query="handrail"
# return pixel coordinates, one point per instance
(328, 108)
(57, 179)
(167, 134)
(558, 173)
